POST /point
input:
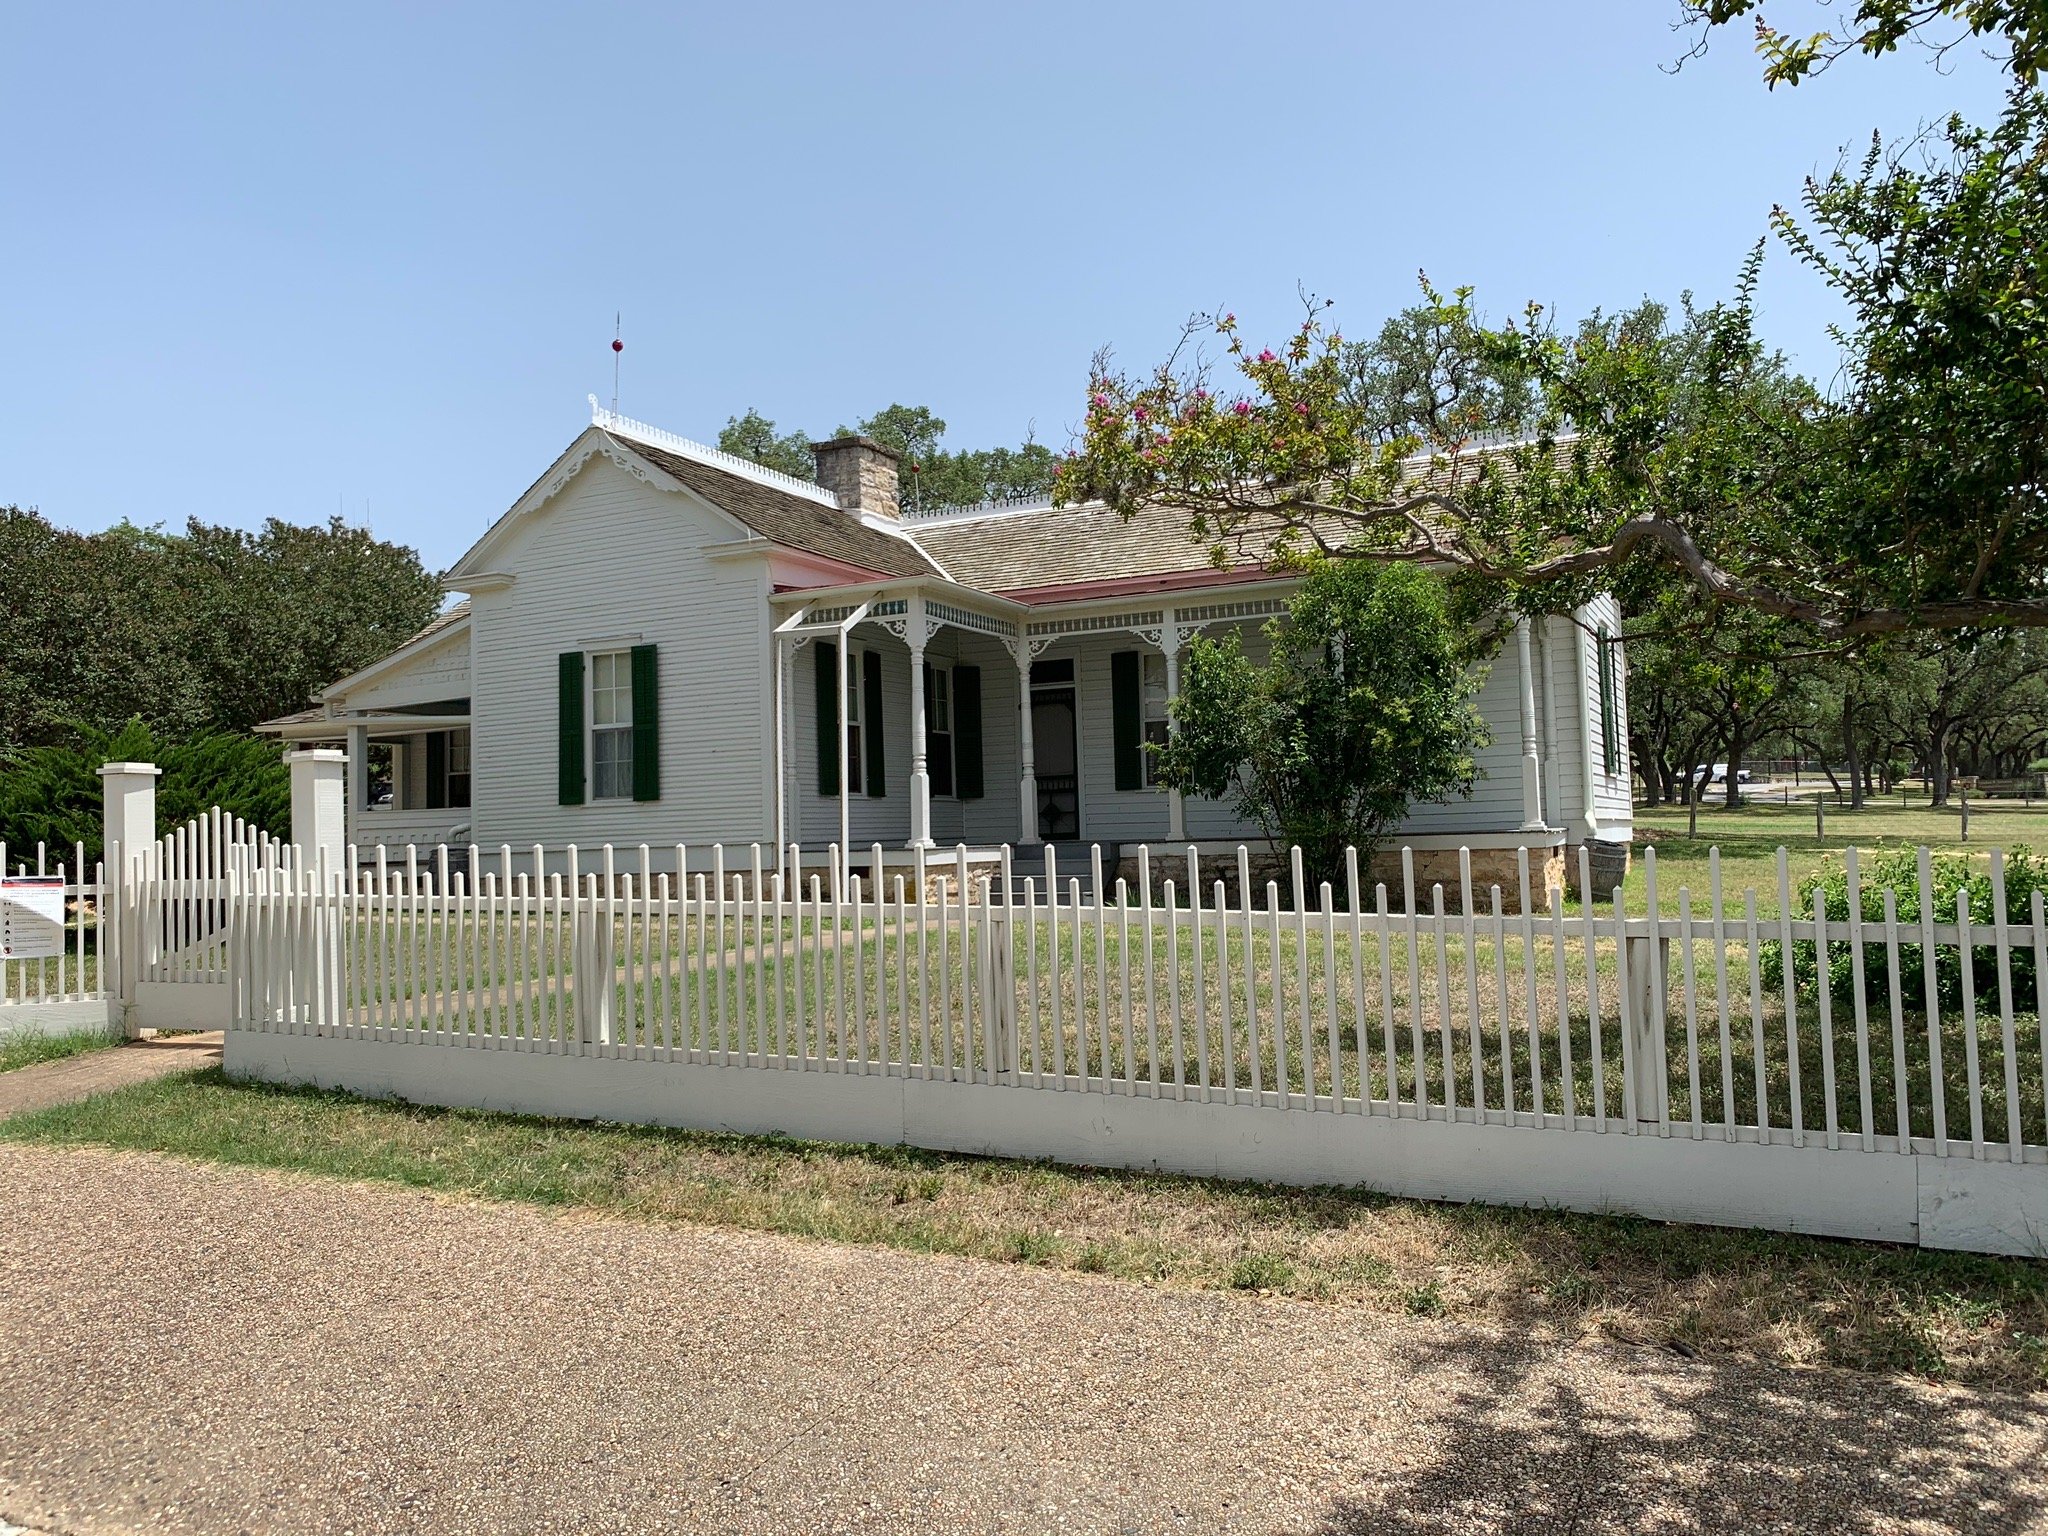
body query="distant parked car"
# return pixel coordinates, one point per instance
(1718, 774)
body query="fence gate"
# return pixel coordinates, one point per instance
(175, 905)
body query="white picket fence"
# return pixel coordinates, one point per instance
(71, 988)
(1418, 1043)
(147, 932)
(180, 890)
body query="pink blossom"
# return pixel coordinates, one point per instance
(1301, 407)
(1139, 413)
(1243, 407)
(1098, 401)
(1266, 355)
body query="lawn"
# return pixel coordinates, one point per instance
(1495, 1011)
(1749, 839)
(1548, 1275)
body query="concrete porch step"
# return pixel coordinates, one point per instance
(1073, 861)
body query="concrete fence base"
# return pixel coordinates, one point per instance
(1936, 1202)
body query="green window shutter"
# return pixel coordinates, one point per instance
(1127, 729)
(569, 728)
(437, 770)
(967, 731)
(827, 656)
(1608, 745)
(871, 720)
(646, 724)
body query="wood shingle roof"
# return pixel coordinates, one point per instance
(789, 519)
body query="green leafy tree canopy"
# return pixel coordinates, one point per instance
(753, 436)
(1909, 498)
(1364, 707)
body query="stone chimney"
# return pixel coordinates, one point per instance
(860, 472)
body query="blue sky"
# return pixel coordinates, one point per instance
(290, 260)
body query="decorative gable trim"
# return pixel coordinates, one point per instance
(593, 443)
(456, 629)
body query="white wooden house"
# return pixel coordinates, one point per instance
(657, 637)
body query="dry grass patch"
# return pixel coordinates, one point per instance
(1548, 1274)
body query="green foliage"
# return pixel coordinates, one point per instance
(1877, 27)
(1899, 874)
(753, 436)
(1907, 498)
(1365, 707)
(212, 629)
(934, 477)
(53, 795)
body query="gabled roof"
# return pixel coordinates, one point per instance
(786, 517)
(765, 503)
(428, 635)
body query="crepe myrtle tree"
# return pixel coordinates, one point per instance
(1908, 496)
(1364, 707)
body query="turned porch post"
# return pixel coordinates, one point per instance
(1532, 765)
(1169, 643)
(1027, 784)
(915, 632)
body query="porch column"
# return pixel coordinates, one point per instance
(1169, 643)
(1553, 785)
(358, 799)
(1532, 765)
(843, 863)
(782, 668)
(1027, 784)
(914, 632)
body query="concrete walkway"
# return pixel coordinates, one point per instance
(189, 1348)
(79, 1077)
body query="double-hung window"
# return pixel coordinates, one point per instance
(1156, 729)
(611, 725)
(939, 730)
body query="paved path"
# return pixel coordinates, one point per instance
(191, 1348)
(79, 1077)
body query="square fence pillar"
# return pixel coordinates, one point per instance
(319, 779)
(128, 810)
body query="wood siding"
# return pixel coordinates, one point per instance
(609, 559)
(441, 671)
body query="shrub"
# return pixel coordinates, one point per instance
(52, 795)
(1899, 873)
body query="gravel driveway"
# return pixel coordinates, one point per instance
(202, 1349)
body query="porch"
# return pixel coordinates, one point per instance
(408, 772)
(1014, 725)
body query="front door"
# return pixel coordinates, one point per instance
(1056, 763)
